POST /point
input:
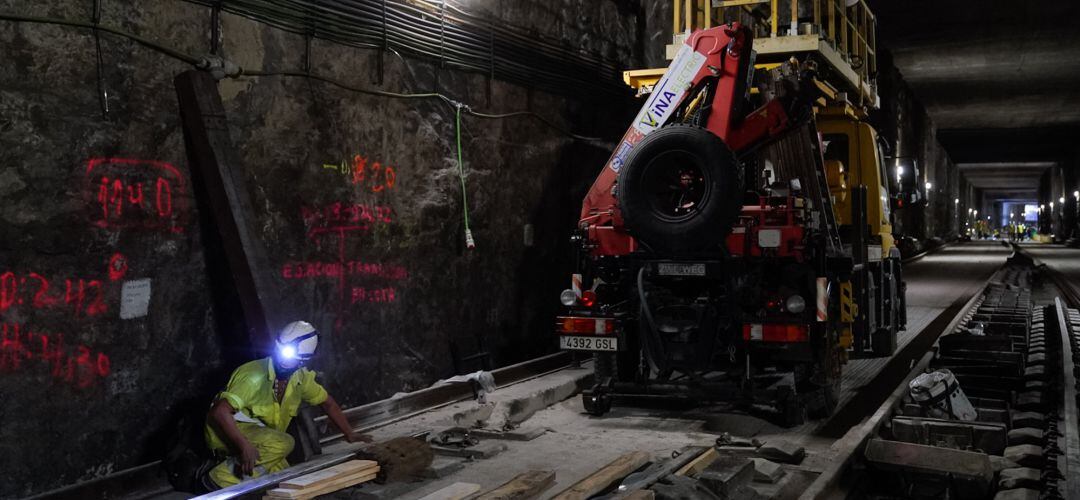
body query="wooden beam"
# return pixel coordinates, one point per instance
(216, 174)
(603, 478)
(456, 491)
(525, 486)
(699, 464)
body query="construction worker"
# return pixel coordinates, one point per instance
(246, 424)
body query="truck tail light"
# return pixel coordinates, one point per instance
(776, 332)
(588, 326)
(588, 298)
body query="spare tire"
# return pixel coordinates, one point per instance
(679, 190)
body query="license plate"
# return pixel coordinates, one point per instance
(589, 343)
(670, 269)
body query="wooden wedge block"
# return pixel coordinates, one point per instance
(456, 491)
(329, 487)
(698, 464)
(525, 486)
(315, 478)
(600, 480)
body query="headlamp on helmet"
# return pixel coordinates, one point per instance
(297, 341)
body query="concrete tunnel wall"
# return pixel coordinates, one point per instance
(84, 392)
(907, 127)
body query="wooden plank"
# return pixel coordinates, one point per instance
(305, 494)
(316, 479)
(456, 491)
(601, 479)
(699, 464)
(250, 487)
(526, 485)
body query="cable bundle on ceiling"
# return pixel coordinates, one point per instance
(444, 34)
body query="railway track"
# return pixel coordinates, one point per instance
(1014, 352)
(1002, 341)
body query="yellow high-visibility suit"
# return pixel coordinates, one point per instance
(260, 417)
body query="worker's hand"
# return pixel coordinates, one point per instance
(248, 457)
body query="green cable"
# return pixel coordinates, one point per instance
(461, 171)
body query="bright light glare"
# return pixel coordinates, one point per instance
(1061, 200)
(929, 186)
(957, 201)
(288, 352)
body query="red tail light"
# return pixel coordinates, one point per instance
(776, 332)
(589, 326)
(588, 298)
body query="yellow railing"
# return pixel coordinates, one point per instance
(847, 26)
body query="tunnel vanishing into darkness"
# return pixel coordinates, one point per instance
(1002, 84)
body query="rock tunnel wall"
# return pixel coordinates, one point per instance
(111, 329)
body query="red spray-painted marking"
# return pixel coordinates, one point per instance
(338, 217)
(314, 269)
(118, 267)
(130, 193)
(372, 295)
(81, 369)
(82, 297)
(374, 176)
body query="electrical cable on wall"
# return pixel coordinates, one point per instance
(469, 243)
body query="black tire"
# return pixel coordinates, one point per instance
(596, 403)
(679, 189)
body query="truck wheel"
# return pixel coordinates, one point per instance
(823, 401)
(884, 342)
(792, 408)
(596, 403)
(679, 189)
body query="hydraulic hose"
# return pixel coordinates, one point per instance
(659, 361)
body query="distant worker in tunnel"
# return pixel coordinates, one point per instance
(247, 421)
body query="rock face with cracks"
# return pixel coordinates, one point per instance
(117, 324)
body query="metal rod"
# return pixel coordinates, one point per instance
(103, 93)
(215, 28)
(774, 17)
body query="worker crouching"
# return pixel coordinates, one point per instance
(247, 421)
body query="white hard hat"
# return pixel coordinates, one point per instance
(298, 340)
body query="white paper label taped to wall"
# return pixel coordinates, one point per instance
(135, 299)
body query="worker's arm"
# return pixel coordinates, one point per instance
(222, 416)
(333, 412)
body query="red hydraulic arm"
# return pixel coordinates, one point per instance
(720, 57)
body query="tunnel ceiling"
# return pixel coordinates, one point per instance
(1001, 79)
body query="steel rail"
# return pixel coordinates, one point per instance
(1070, 352)
(1068, 401)
(380, 413)
(828, 485)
